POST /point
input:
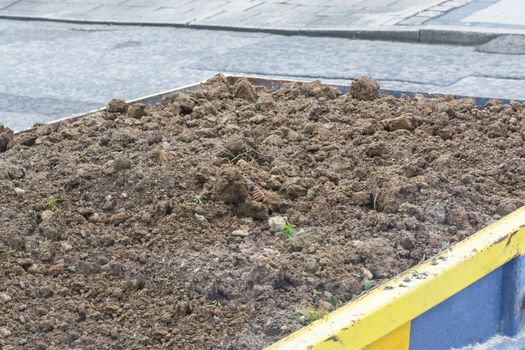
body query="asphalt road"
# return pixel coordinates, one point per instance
(52, 70)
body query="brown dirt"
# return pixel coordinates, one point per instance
(148, 227)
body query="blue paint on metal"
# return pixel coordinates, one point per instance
(470, 316)
(513, 297)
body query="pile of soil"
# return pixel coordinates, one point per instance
(148, 227)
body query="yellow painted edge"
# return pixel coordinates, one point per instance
(387, 307)
(398, 339)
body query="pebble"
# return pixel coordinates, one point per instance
(5, 298)
(19, 191)
(4, 332)
(276, 224)
(201, 219)
(66, 246)
(240, 233)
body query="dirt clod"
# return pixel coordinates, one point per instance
(364, 88)
(137, 110)
(6, 135)
(231, 186)
(243, 89)
(117, 106)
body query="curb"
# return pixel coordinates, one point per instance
(452, 35)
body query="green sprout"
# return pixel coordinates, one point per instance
(367, 284)
(288, 229)
(333, 301)
(50, 203)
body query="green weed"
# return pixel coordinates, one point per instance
(333, 301)
(288, 229)
(50, 203)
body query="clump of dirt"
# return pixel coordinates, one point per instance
(148, 226)
(243, 89)
(364, 88)
(117, 106)
(6, 135)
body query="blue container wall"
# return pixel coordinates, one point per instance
(493, 305)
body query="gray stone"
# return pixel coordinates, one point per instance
(201, 219)
(276, 224)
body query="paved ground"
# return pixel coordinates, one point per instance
(52, 70)
(282, 14)
(242, 13)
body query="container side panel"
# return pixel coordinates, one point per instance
(470, 316)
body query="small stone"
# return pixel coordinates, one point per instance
(240, 233)
(4, 332)
(201, 219)
(277, 224)
(19, 191)
(5, 298)
(66, 246)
